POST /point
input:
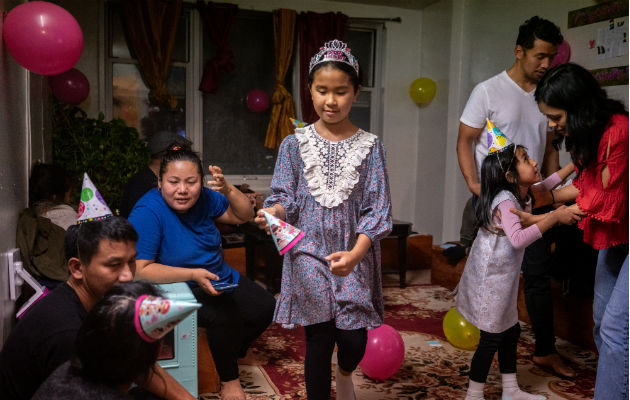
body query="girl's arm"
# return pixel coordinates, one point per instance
(160, 273)
(565, 194)
(343, 262)
(567, 170)
(521, 237)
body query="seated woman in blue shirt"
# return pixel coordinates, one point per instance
(179, 241)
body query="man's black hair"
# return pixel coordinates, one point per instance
(538, 28)
(82, 240)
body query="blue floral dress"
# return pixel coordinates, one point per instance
(332, 191)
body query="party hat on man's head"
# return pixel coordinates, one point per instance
(157, 316)
(284, 235)
(497, 141)
(92, 207)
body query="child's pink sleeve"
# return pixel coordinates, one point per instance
(550, 182)
(519, 237)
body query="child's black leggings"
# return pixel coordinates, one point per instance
(320, 343)
(490, 343)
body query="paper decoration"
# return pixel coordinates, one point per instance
(92, 207)
(297, 124)
(284, 235)
(157, 316)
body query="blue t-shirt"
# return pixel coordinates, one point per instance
(189, 240)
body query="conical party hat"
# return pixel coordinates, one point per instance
(297, 123)
(157, 316)
(92, 206)
(284, 235)
(497, 141)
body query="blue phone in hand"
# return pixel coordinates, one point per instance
(223, 285)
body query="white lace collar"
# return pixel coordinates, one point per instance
(330, 168)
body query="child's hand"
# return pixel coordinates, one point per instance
(526, 218)
(568, 215)
(218, 184)
(260, 219)
(342, 262)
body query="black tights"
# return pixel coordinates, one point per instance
(489, 343)
(320, 343)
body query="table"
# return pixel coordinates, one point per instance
(401, 231)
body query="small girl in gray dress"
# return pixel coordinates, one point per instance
(487, 291)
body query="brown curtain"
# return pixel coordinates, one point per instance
(151, 26)
(314, 30)
(217, 19)
(284, 37)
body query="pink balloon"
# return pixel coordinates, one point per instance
(43, 37)
(564, 54)
(257, 100)
(384, 353)
(70, 87)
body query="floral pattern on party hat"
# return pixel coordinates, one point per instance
(92, 207)
(284, 235)
(497, 141)
(157, 316)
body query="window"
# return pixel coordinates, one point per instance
(129, 94)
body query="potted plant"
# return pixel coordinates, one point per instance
(110, 152)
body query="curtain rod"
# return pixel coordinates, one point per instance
(397, 19)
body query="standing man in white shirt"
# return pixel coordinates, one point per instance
(507, 99)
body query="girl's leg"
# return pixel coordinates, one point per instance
(612, 368)
(350, 350)
(481, 362)
(507, 366)
(320, 343)
(256, 306)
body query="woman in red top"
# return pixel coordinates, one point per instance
(595, 131)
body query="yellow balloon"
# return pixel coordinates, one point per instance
(459, 332)
(422, 90)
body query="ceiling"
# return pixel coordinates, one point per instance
(411, 4)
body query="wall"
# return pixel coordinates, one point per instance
(483, 37)
(15, 154)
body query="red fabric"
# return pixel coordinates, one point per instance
(217, 20)
(313, 31)
(606, 208)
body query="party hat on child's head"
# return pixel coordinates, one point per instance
(297, 124)
(497, 141)
(284, 235)
(92, 206)
(157, 316)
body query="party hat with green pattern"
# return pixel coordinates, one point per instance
(92, 206)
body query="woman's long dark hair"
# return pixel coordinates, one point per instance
(572, 88)
(493, 180)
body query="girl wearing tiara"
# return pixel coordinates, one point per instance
(330, 181)
(487, 291)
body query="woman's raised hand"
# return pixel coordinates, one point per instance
(203, 278)
(218, 182)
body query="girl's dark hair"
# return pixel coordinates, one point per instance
(108, 348)
(179, 153)
(493, 180)
(342, 66)
(572, 88)
(47, 181)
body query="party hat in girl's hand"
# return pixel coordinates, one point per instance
(92, 206)
(497, 141)
(157, 316)
(284, 235)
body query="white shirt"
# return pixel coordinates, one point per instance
(512, 110)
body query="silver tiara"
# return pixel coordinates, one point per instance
(335, 50)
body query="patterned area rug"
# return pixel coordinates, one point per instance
(428, 372)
